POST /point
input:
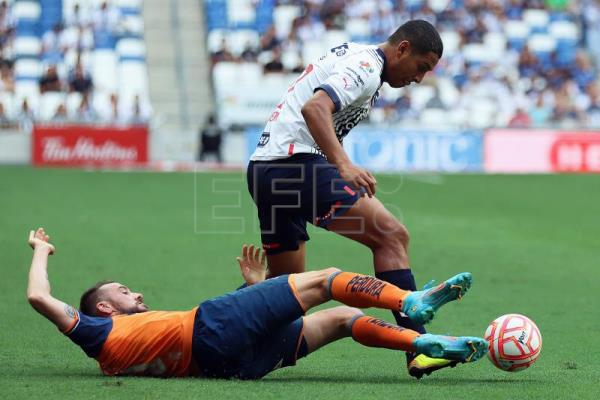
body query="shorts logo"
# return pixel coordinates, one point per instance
(271, 246)
(264, 139)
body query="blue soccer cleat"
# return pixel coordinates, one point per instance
(461, 348)
(421, 306)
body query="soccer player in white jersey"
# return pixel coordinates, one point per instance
(300, 171)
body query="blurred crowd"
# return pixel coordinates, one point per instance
(522, 88)
(64, 59)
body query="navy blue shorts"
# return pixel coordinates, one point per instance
(248, 333)
(295, 190)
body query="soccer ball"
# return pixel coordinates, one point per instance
(515, 342)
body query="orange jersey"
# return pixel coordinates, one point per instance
(156, 343)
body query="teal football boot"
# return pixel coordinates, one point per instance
(421, 306)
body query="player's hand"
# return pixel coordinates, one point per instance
(39, 240)
(252, 264)
(359, 178)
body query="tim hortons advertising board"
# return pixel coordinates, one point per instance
(73, 146)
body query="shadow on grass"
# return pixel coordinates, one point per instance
(395, 380)
(279, 380)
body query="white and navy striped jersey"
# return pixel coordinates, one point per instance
(351, 74)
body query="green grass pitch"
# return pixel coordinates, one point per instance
(531, 242)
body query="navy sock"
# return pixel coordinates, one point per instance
(404, 279)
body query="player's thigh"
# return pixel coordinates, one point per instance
(367, 222)
(326, 326)
(282, 347)
(234, 321)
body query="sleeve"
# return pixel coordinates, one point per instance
(356, 77)
(89, 333)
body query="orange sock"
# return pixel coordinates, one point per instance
(364, 291)
(374, 332)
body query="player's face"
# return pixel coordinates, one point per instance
(123, 300)
(408, 66)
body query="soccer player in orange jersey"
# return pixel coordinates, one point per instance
(247, 333)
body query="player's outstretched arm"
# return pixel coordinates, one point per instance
(317, 113)
(38, 289)
(252, 264)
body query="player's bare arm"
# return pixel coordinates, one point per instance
(38, 290)
(252, 264)
(317, 113)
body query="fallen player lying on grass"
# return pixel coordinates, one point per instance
(248, 333)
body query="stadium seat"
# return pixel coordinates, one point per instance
(420, 95)
(312, 50)
(27, 68)
(495, 43)
(477, 54)
(131, 48)
(104, 70)
(215, 38)
(227, 72)
(358, 29)
(238, 39)
(128, 3)
(241, 13)
(433, 117)
(283, 17)
(27, 89)
(334, 38)
(541, 44)
(8, 102)
(537, 20)
(72, 103)
(132, 78)
(72, 55)
(133, 25)
(481, 113)
(439, 5)
(451, 41)
(26, 10)
(564, 30)
(290, 59)
(49, 103)
(27, 46)
(516, 33)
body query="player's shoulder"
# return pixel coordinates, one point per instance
(369, 53)
(84, 322)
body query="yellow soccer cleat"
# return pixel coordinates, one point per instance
(423, 365)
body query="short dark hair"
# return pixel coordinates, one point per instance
(90, 298)
(423, 37)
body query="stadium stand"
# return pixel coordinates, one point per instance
(73, 61)
(526, 63)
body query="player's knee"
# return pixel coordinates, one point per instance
(346, 316)
(392, 233)
(326, 275)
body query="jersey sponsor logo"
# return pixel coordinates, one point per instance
(365, 66)
(264, 139)
(355, 76)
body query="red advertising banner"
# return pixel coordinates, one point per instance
(76, 145)
(541, 151)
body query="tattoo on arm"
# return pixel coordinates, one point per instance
(70, 311)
